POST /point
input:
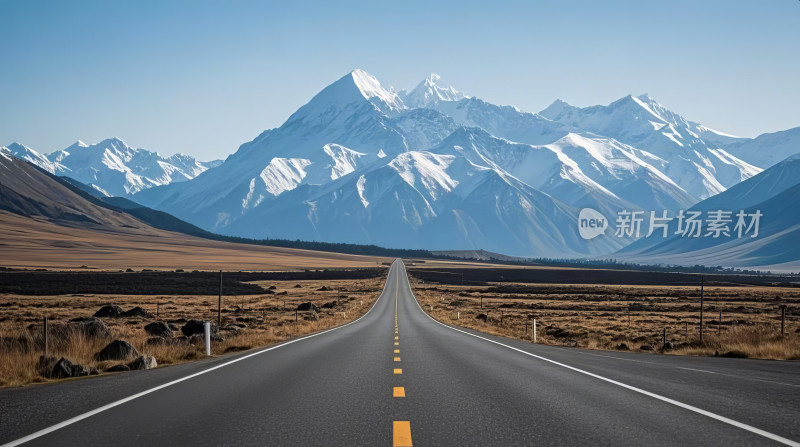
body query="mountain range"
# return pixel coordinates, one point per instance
(437, 169)
(112, 167)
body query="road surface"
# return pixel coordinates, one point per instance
(397, 377)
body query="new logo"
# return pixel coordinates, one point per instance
(591, 223)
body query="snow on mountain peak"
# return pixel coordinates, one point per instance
(556, 109)
(431, 91)
(371, 88)
(25, 153)
(354, 89)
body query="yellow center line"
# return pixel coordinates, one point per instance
(397, 351)
(399, 391)
(397, 359)
(395, 337)
(396, 343)
(398, 371)
(401, 434)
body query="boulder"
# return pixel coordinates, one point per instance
(668, 346)
(482, 317)
(118, 368)
(64, 369)
(117, 350)
(622, 347)
(108, 311)
(272, 287)
(193, 327)
(323, 289)
(89, 327)
(143, 362)
(45, 365)
(136, 312)
(307, 306)
(329, 305)
(645, 348)
(158, 329)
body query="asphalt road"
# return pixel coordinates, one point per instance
(397, 377)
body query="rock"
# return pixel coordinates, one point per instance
(158, 329)
(482, 317)
(329, 305)
(64, 369)
(117, 350)
(90, 327)
(310, 316)
(136, 312)
(272, 288)
(645, 348)
(323, 289)
(118, 368)
(193, 327)
(143, 362)
(45, 365)
(108, 311)
(668, 346)
(622, 347)
(572, 343)
(307, 306)
(80, 370)
(298, 286)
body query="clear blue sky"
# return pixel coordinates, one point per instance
(204, 77)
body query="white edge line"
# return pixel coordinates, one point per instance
(729, 421)
(98, 410)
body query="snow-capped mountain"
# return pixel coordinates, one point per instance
(691, 153)
(435, 168)
(768, 149)
(116, 169)
(430, 91)
(113, 168)
(25, 153)
(773, 194)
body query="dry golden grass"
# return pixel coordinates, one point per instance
(597, 316)
(269, 318)
(39, 243)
